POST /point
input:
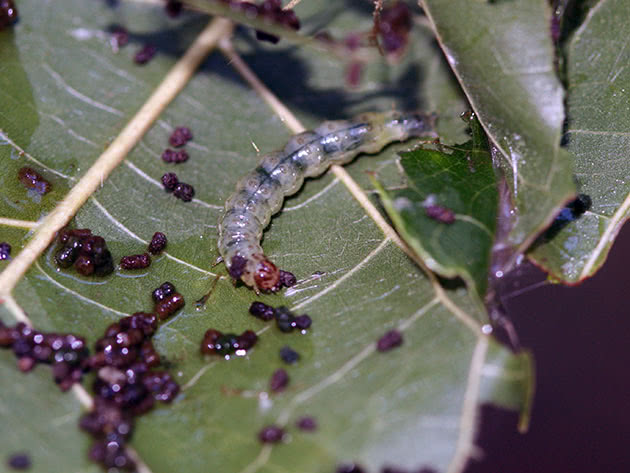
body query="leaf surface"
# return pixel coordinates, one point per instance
(457, 183)
(355, 283)
(598, 137)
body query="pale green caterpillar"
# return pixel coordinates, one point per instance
(260, 193)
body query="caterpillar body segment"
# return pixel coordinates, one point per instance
(260, 193)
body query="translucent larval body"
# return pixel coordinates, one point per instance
(260, 193)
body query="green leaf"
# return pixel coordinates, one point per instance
(417, 404)
(504, 60)
(461, 180)
(598, 136)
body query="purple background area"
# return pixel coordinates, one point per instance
(580, 338)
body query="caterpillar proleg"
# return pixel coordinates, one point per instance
(260, 193)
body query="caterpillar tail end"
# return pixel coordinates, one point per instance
(420, 125)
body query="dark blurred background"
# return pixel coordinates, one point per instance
(580, 338)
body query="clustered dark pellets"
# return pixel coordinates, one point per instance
(439, 213)
(393, 27)
(271, 434)
(285, 319)
(145, 54)
(5, 251)
(66, 353)
(217, 343)
(278, 381)
(170, 181)
(307, 424)
(180, 136)
(87, 252)
(158, 243)
(8, 13)
(125, 387)
(176, 157)
(135, 261)
(173, 8)
(262, 311)
(167, 300)
(288, 355)
(31, 179)
(270, 10)
(184, 191)
(391, 339)
(19, 461)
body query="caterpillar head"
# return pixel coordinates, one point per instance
(267, 276)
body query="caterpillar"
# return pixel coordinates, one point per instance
(260, 193)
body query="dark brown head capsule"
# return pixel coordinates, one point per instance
(158, 243)
(31, 179)
(266, 275)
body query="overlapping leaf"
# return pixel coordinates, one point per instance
(457, 183)
(504, 59)
(77, 94)
(598, 136)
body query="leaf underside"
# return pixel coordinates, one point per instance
(65, 95)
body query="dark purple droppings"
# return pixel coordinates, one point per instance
(87, 252)
(158, 243)
(8, 13)
(262, 311)
(217, 343)
(354, 73)
(5, 251)
(439, 213)
(303, 322)
(287, 279)
(278, 381)
(391, 339)
(180, 136)
(176, 157)
(307, 424)
(162, 292)
(184, 191)
(119, 38)
(173, 8)
(284, 319)
(145, 54)
(393, 28)
(288, 355)
(271, 434)
(349, 468)
(31, 179)
(19, 461)
(169, 305)
(170, 181)
(135, 261)
(237, 266)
